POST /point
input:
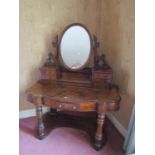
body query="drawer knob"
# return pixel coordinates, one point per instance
(74, 107)
(60, 105)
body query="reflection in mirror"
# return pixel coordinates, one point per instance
(75, 47)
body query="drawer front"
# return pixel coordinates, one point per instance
(47, 74)
(67, 106)
(102, 76)
(60, 106)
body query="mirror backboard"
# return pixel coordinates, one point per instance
(75, 47)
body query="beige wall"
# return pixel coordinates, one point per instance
(118, 44)
(111, 20)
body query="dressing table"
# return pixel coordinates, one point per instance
(70, 83)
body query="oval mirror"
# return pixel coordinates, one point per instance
(75, 47)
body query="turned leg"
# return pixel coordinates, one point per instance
(99, 131)
(40, 124)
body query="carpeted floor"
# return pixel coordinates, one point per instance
(65, 141)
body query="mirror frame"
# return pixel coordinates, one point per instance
(59, 44)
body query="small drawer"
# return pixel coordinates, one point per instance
(47, 73)
(102, 76)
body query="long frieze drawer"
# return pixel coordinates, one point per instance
(61, 105)
(87, 106)
(67, 106)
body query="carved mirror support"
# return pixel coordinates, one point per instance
(74, 48)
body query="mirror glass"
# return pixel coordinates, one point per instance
(75, 47)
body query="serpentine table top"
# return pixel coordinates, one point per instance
(85, 97)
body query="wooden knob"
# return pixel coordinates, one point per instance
(74, 107)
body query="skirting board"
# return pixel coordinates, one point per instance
(115, 122)
(30, 112)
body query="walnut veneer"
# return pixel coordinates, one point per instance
(74, 98)
(89, 89)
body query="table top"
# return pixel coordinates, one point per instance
(60, 92)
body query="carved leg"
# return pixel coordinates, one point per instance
(99, 131)
(40, 125)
